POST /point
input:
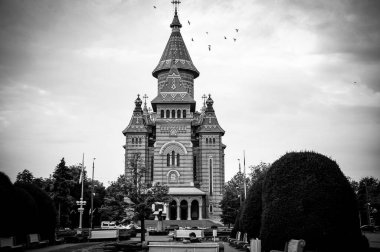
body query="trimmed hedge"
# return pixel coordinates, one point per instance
(306, 196)
(46, 213)
(250, 218)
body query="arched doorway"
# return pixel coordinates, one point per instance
(173, 210)
(183, 210)
(194, 210)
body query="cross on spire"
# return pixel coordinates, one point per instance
(145, 97)
(204, 97)
(175, 4)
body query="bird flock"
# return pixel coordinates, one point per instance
(207, 33)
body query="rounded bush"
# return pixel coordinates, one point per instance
(306, 196)
(46, 213)
(250, 218)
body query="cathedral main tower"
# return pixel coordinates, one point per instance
(181, 147)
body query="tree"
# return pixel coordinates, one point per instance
(62, 182)
(250, 218)
(233, 198)
(114, 205)
(142, 194)
(25, 177)
(306, 196)
(368, 195)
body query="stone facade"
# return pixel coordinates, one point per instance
(181, 147)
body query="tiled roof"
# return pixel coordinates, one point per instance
(209, 123)
(137, 123)
(175, 52)
(190, 190)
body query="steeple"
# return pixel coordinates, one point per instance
(136, 125)
(209, 122)
(175, 50)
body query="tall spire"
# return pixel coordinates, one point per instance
(175, 50)
(175, 23)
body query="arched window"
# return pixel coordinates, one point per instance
(167, 113)
(173, 113)
(168, 159)
(133, 140)
(139, 140)
(206, 140)
(173, 158)
(210, 208)
(184, 113)
(178, 113)
(177, 159)
(162, 113)
(213, 140)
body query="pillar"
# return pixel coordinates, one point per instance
(188, 211)
(200, 213)
(167, 211)
(178, 212)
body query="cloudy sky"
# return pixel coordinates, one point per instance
(302, 75)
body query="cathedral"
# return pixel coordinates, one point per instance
(180, 146)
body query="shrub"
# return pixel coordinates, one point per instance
(18, 212)
(306, 196)
(250, 218)
(46, 214)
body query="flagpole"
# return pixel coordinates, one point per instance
(92, 191)
(245, 184)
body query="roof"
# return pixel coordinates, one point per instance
(175, 52)
(209, 123)
(137, 124)
(188, 190)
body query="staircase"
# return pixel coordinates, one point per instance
(182, 223)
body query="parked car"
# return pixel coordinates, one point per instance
(108, 225)
(368, 228)
(172, 227)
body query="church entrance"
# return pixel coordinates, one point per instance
(194, 210)
(173, 210)
(184, 210)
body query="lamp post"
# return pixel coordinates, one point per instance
(92, 193)
(81, 203)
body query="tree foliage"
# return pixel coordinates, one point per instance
(306, 196)
(368, 195)
(142, 194)
(233, 197)
(25, 177)
(250, 218)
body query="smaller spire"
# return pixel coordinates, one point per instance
(138, 103)
(145, 109)
(175, 23)
(209, 104)
(204, 97)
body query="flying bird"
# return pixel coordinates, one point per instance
(209, 47)
(225, 37)
(207, 33)
(188, 21)
(192, 39)
(154, 7)
(237, 30)
(234, 39)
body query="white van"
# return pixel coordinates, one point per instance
(108, 225)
